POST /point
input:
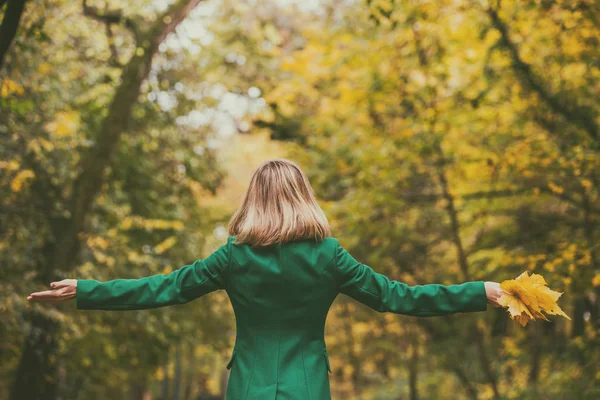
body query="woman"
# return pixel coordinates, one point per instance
(281, 270)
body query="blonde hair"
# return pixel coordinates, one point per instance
(279, 206)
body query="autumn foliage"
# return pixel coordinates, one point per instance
(528, 298)
(447, 141)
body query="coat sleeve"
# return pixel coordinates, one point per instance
(179, 287)
(378, 292)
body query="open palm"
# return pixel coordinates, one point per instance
(61, 292)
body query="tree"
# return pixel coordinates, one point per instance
(432, 144)
(62, 248)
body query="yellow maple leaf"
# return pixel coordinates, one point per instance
(165, 245)
(9, 87)
(528, 298)
(17, 183)
(66, 123)
(522, 319)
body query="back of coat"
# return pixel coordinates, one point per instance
(281, 295)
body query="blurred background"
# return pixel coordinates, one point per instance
(447, 140)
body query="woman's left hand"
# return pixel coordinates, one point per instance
(61, 292)
(493, 292)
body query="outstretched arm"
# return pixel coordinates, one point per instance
(178, 287)
(375, 290)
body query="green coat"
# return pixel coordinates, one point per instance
(281, 295)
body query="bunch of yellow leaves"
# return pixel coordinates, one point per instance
(528, 297)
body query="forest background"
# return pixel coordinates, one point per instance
(448, 141)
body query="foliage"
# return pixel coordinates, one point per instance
(528, 297)
(456, 141)
(448, 141)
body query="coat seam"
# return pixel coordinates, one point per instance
(194, 286)
(366, 290)
(333, 259)
(305, 377)
(327, 265)
(251, 377)
(377, 298)
(236, 263)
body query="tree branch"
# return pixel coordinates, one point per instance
(490, 194)
(107, 16)
(582, 117)
(9, 25)
(463, 261)
(94, 164)
(570, 200)
(111, 45)
(110, 17)
(169, 20)
(488, 74)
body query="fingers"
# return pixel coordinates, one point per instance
(62, 290)
(494, 292)
(493, 303)
(51, 296)
(46, 295)
(59, 284)
(495, 299)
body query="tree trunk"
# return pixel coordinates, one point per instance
(177, 378)
(190, 375)
(413, 369)
(9, 26)
(451, 363)
(462, 376)
(384, 363)
(137, 390)
(536, 354)
(36, 375)
(589, 226)
(580, 116)
(36, 378)
(165, 382)
(464, 267)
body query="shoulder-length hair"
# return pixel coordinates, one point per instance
(279, 206)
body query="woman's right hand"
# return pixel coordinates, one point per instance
(61, 292)
(493, 293)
